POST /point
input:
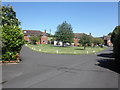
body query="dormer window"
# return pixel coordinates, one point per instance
(24, 31)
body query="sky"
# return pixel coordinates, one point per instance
(97, 18)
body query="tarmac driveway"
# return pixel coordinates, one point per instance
(40, 70)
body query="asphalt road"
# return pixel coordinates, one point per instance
(39, 70)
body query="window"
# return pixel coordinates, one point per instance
(28, 35)
(24, 31)
(44, 41)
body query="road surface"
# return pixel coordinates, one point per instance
(40, 70)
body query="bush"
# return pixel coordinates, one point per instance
(97, 41)
(12, 38)
(85, 39)
(34, 39)
(79, 45)
(115, 38)
(9, 56)
(86, 45)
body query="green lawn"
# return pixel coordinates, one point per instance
(64, 50)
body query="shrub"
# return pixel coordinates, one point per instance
(34, 39)
(97, 41)
(12, 38)
(79, 45)
(115, 38)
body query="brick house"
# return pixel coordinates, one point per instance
(76, 38)
(44, 36)
(107, 40)
(75, 41)
(29, 33)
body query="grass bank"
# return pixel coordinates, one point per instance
(65, 50)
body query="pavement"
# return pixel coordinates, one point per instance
(40, 70)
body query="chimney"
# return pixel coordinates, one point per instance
(90, 34)
(45, 31)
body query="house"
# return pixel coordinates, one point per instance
(107, 40)
(44, 37)
(29, 33)
(76, 38)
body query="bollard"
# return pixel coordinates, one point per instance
(39, 49)
(87, 52)
(93, 51)
(57, 51)
(74, 52)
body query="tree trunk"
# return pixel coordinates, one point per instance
(84, 47)
(17, 57)
(70, 43)
(62, 44)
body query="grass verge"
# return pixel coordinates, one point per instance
(65, 50)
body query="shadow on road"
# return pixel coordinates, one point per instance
(107, 55)
(108, 62)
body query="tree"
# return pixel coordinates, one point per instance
(115, 38)
(34, 39)
(97, 41)
(85, 39)
(12, 35)
(51, 38)
(8, 16)
(49, 35)
(64, 33)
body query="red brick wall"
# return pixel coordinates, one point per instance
(26, 38)
(75, 41)
(38, 42)
(109, 43)
(44, 40)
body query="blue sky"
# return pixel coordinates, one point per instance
(98, 18)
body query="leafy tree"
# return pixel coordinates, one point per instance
(97, 41)
(34, 39)
(12, 36)
(85, 40)
(8, 16)
(64, 33)
(49, 35)
(51, 38)
(115, 38)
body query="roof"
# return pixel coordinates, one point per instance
(78, 34)
(33, 32)
(107, 37)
